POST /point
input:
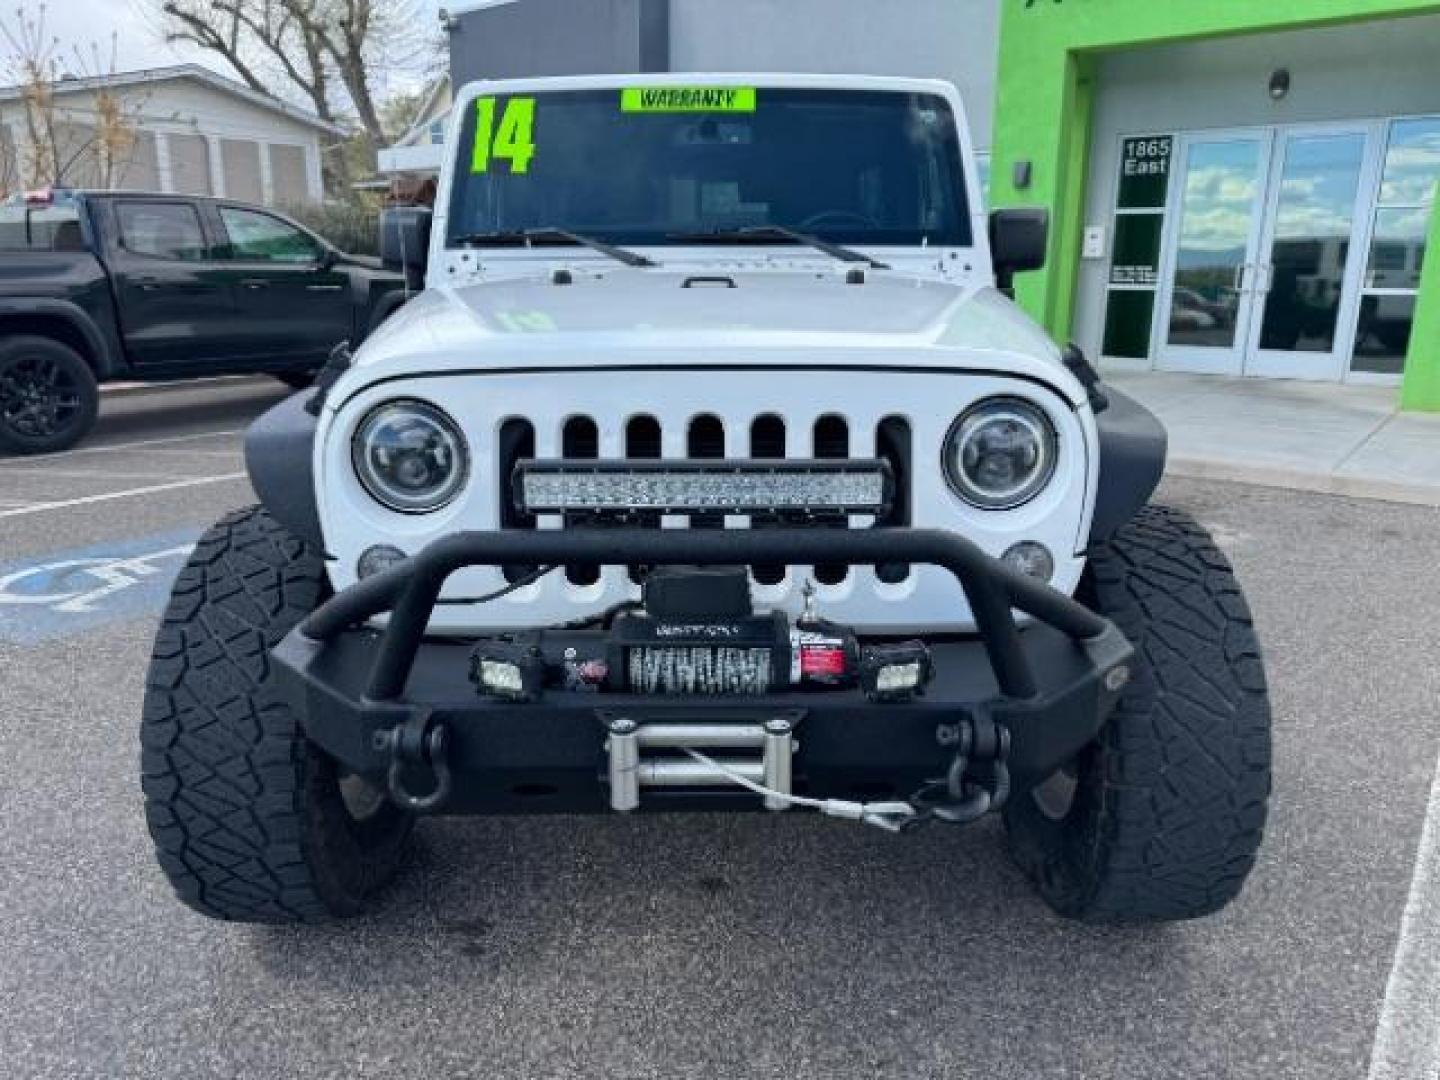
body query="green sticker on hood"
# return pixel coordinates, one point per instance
(673, 99)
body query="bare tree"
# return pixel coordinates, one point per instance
(336, 53)
(256, 38)
(59, 140)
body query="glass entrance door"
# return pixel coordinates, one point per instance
(1262, 271)
(1308, 275)
(1208, 276)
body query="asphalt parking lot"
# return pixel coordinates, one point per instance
(729, 947)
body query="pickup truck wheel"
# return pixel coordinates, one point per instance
(48, 395)
(252, 822)
(1161, 817)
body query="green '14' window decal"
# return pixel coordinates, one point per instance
(511, 138)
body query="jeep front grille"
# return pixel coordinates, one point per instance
(766, 437)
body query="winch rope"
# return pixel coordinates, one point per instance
(891, 816)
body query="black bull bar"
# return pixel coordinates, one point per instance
(411, 590)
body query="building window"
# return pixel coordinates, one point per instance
(289, 181)
(1397, 246)
(437, 133)
(1142, 194)
(189, 164)
(241, 165)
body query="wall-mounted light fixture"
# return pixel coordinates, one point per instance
(1279, 84)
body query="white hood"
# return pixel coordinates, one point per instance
(723, 316)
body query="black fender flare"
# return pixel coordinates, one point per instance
(387, 304)
(279, 456)
(102, 351)
(1133, 449)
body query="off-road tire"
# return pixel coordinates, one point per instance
(22, 357)
(1169, 802)
(247, 816)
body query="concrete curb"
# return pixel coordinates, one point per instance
(1355, 486)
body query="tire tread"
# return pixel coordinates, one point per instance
(223, 761)
(1175, 791)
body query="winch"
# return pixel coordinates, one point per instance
(695, 632)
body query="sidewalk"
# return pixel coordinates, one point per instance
(1325, 437)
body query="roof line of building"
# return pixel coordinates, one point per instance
(183, 71)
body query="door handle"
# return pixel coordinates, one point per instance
(323, 288)
(151, 286)
(254, 283)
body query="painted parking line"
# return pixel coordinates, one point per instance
(63, 593)
(108, 447)
(92, 474)
(1407, 1040)
(87, 500)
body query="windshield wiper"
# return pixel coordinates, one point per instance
(551, 235)
(761, 234)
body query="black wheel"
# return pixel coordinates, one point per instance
(1161, 817)
(297, 380)
(48, 395)
(251, 822)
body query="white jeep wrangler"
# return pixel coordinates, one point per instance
(711, 469)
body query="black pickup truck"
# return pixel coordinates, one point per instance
(96, 286)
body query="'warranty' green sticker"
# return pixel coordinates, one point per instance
(670, 99)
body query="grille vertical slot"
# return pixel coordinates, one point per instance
(767, 440)
(580, 440)
(831, 440)
(893, 444)
(517, 441)
(643, 442)
(706, 441)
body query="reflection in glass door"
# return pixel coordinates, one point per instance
(1210, 278)
(1306, 278)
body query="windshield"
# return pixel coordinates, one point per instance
(663, 165)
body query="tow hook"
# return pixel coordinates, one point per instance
(416, 746)
(961, 798)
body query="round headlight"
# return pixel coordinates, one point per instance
(1001, 454)
(410, 457)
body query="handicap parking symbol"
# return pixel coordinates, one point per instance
(59, 594)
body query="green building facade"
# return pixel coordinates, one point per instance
(1236, 187)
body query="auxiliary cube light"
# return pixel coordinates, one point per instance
(895, 673)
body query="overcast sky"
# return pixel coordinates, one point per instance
(139, 42)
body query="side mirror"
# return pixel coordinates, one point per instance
(1018, 240)
(327, 259)
(405, 242)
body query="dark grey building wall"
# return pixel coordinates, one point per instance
(560, 37)
(955, 40)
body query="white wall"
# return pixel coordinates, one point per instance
(1355, 72)
(188, 106)
(956, 40)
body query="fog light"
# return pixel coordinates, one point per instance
(378, 559)
(1031, 559)
(895, 672)
(509, 670)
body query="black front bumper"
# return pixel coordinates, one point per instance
(1051, 685)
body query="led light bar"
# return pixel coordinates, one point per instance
(692, 487)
